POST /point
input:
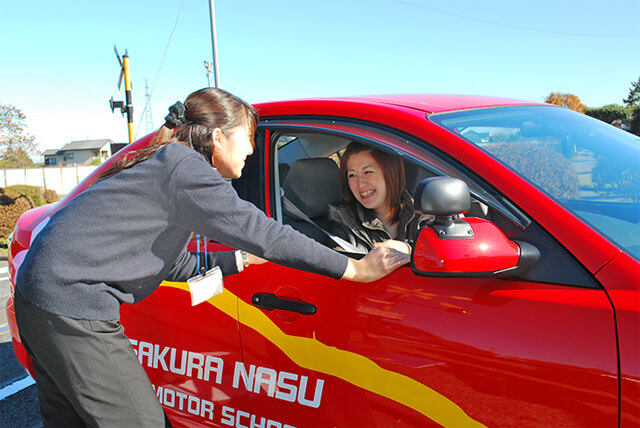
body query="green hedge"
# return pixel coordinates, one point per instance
(33, 192)
(12, 205)
(629, 116)
(15, 201)
(50, 196)
(610, 113)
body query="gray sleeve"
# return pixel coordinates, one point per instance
(207, 204)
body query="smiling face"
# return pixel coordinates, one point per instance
(230, 150)
(366, 182)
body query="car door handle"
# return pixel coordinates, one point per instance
(269, 301)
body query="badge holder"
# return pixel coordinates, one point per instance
(208, 283)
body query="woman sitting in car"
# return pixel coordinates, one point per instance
(376, 207)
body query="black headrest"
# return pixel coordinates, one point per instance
(313, 184)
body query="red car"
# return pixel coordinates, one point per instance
(530, 317)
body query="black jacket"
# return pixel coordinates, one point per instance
(362, 228)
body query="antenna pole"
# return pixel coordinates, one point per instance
(209, 67)
(148, 118)
(214, 45)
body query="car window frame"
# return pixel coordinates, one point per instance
(478, 187)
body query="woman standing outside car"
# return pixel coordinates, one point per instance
(115, 242)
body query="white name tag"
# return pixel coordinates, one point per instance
(205, 286)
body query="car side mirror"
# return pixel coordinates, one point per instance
(452, 246)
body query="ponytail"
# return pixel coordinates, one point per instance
(191, 124)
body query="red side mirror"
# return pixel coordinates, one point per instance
(485, 252)
(452, 246)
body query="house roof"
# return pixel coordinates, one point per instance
(51, 152)
(85, 145)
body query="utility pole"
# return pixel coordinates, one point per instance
(127, 106)
(147, 114)
(214, 45)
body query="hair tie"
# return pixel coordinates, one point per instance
(176, 115)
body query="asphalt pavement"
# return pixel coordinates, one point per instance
(18, 395)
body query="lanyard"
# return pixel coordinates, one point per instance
(198, 256)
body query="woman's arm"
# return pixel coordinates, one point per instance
(206, 204)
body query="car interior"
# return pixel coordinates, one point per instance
(308, 173)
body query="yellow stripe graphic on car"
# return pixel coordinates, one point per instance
(348, 366)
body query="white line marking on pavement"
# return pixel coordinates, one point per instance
(16, 386)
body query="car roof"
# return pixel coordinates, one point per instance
(427, 103)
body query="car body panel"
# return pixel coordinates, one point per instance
(432, 103)
(621, 278)
(187, 351)
(446, 336)
(405, 350)
(22, 238)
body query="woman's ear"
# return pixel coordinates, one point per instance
(217, 137)
(216, 144)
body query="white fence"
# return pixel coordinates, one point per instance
(60, 179)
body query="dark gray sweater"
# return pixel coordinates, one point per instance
(115, 242)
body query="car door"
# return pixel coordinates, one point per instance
(410, 350)
(188, 351)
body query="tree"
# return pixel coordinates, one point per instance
(633, 99)
(634, 122)
(567, 100)
(611, 113)
(18, 158)
(16, 145)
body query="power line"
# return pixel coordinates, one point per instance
(166, 49)
(519, 27)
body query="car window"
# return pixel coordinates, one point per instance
(589, 167)
(294, 148)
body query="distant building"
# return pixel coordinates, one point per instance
(52, 157)
(81, 152)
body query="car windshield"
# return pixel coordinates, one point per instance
(588, 166)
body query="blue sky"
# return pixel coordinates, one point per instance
(58, 64)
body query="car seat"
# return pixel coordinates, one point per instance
(311, 185)
(283, 170)
(413, 175)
